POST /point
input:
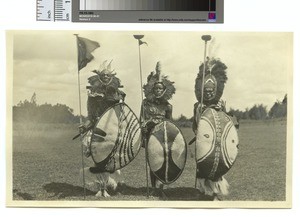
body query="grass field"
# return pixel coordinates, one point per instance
(46, 165)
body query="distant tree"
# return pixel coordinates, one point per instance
(182, 118)
(25, 111)
(237, 113)
(284, 101)
(279, 109)
(258, 112)
(183, 121)
(33, 99)
(246, 114)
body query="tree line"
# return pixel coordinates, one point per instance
(30, 111)
(256, 112)
(259, 112)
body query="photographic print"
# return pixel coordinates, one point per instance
(149, 119)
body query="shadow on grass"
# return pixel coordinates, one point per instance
(178, 193)
(129, 190)
(63, 190)
(24, 196)
(184, 193)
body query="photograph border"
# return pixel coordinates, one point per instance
(140, 204)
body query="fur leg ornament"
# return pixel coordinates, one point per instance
(211, 188)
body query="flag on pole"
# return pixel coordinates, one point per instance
(142, 42)
(85, 48)
(139, 37)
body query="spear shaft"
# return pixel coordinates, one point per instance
(205, 38)
(139, 37)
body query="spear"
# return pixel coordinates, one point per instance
(140, 42)
(205, 38)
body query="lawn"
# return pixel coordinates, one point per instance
(46, 165)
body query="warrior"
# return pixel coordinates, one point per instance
(210, 105)
(214, 83)
(103, 93)
(155, 107)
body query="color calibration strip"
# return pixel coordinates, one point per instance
(149, 5)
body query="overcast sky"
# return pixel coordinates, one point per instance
(259, 65)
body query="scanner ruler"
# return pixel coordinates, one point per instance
(53, 10)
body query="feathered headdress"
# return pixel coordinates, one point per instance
(214, 81)
(154, 78)
(104, 68)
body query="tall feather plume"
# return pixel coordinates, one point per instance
(155, 77)
(213, 48)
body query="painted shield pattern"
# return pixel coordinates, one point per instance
(166, 152)
(216, 144)
(121, 142)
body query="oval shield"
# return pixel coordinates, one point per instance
(116, 138)
(216, 144)
(166, 152)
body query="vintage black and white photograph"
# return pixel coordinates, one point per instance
(149, 119)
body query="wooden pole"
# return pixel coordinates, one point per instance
(80, 120)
